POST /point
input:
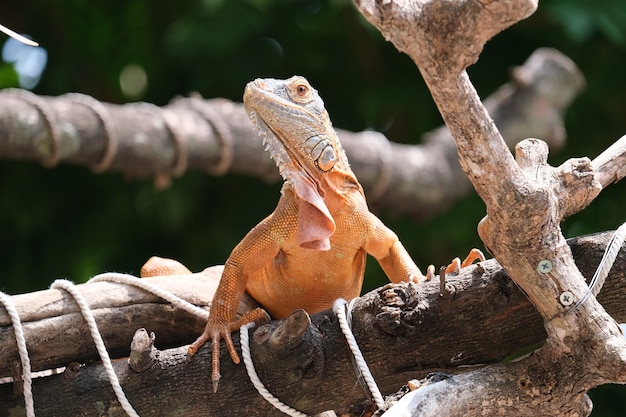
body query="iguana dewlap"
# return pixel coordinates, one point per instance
(311, 250)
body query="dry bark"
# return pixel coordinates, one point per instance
(143, 140)
(405, 332)
(526, 200)
(56, 333)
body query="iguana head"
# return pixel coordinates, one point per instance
(297, 131)
(294, 123)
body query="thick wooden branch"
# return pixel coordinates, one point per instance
(143, 140)
(610, 165)
(526, 200)
(56, 333)
(405, 332)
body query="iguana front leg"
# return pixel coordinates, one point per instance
(384, 245)
(221, 328)
(397, 264)
(256, 249)
(224, 307)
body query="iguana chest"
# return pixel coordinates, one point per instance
(298, 278)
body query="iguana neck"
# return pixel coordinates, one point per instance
(340, 182)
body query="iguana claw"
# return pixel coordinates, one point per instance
(455, 266)
(217, 331)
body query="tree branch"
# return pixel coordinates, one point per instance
(143, 140)
(56, 333)
(404, 331)
(610, 165)
(526, 200)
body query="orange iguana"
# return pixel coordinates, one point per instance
(311, 250)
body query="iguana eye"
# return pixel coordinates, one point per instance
(302, 90)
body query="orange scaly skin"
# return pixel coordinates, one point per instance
(311, 250)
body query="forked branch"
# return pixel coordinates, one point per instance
(526, 200)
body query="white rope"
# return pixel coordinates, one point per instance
(605, 265)
(608, 259)
(256, 381)
(147, 286)
(21, 348)
(339, 308)
(97, 338)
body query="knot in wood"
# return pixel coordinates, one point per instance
(290, 331)
(398, 301)
(142, 351)
(72, 371)
(399, 296)
(290, 351)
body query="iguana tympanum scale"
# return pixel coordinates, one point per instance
(311, 250)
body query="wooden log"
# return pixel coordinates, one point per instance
(56, 333)
(405, 332)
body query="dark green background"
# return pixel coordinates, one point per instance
(67, 222)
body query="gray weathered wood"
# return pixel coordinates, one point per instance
(195, 134)
(56, 333)
(526, 200)
(404, 331)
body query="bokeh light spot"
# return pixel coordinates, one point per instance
(28, 61)
(133, 81)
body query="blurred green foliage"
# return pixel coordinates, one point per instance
(581, 19)
(68, 222)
